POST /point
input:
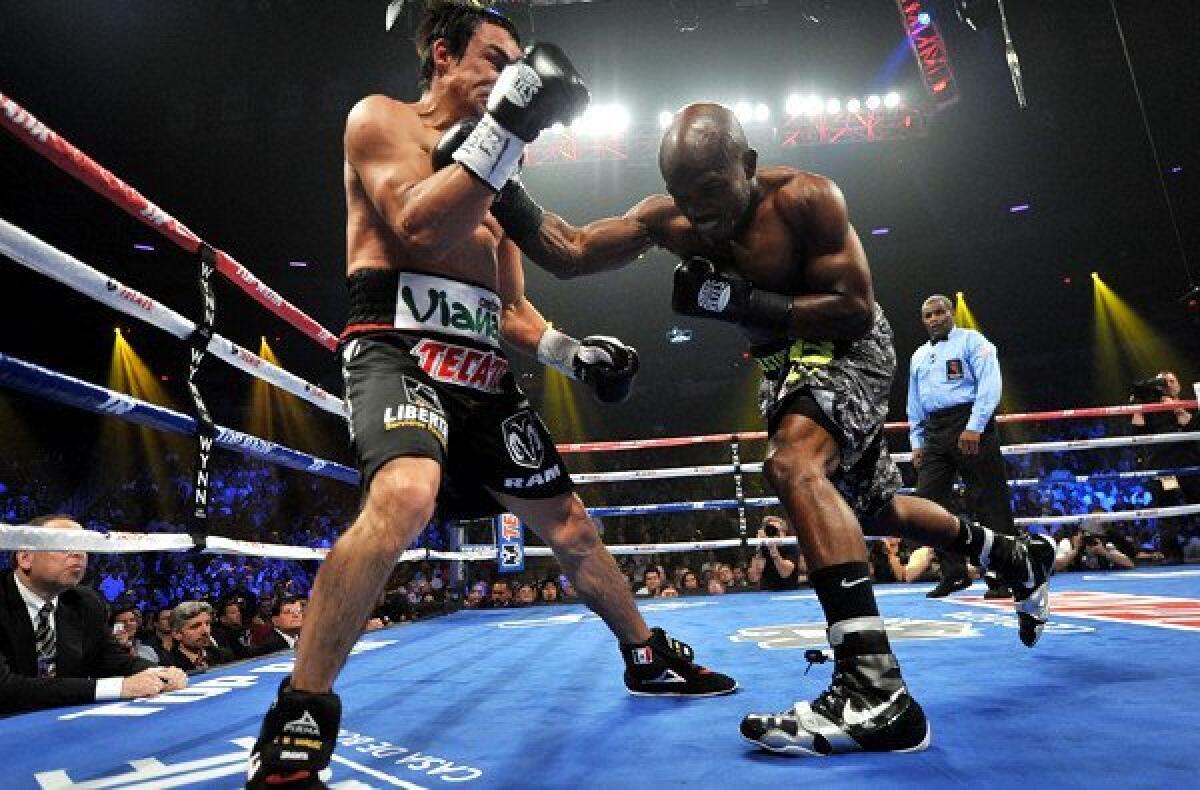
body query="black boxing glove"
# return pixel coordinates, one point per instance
(516, 212)
(532, 94)
(701, 290)
(605, 364)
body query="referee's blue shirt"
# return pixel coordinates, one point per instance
(960, 369)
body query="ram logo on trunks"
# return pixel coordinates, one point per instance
(466, 367)
(523, 440)
(410, 415)
(535, 480)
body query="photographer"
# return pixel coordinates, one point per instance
(1168, 489)
(1090, 548)
(777, 567)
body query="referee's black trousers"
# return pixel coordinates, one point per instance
(987, 495)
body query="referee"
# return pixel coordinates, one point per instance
(953, 390)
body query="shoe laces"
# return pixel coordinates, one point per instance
(681, 648)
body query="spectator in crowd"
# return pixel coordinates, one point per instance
(715, 587)
(1090, 548)
(776, 567)
(525, 595)
(691, 583)
(909, 562)
(651, 583)
(668, 590)
(191, 630)
(126, 622)
(229, 632)
(549, 591)
(160, 638)
(500, 596)
(287, 618)
(56, 647)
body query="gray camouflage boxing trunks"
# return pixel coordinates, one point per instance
(844, 387)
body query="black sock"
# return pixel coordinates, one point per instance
(982, 546)
(973, 541)
(846, 594)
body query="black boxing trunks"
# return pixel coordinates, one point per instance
(425, 377)
(844, 387)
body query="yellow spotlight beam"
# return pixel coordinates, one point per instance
(1011, 399)
(1127, 346)
(962, 313)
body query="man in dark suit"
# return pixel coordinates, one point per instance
(287, 616)
(55, 644)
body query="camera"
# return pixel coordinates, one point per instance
(770, 530)
(1149, 390)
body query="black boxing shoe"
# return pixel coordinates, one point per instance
(949, 584)
(296, 741)
(1029, 579)
(664, 667)
(867, 708)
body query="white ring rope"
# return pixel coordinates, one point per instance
(13, 537)
(1012, 449)
(35, 254)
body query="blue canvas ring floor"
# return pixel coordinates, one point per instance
(532, 698)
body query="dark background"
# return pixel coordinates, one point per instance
(228, 115)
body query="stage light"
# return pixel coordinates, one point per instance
(664, 119)
(744, 111)
(794, 105)
(833, 106)
(923, 19)
(602, 120)
(853, 106)
(1021, 208)
(142, 247)
(880, 231)
(812, 106)
(891, 100)
(873, 102)
(762, 113)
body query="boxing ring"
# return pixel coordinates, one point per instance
(533, 697)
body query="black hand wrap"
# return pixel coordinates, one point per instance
(517, 213)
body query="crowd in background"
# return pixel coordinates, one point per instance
(256, 501)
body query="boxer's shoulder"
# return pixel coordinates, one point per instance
(378, 117)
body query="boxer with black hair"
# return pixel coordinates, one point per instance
(436, 417)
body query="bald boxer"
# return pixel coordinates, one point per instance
(437, 419)
(772, 251)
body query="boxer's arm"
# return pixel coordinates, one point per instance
(839, 300)
(567, 251)
(521, 324)
(430, 213)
